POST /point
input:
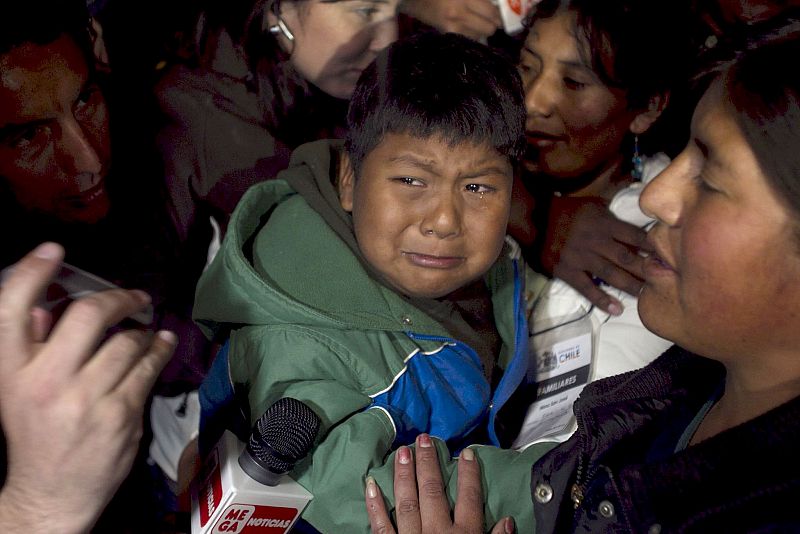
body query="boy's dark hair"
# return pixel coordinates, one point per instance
(41, 23)
(437, 85)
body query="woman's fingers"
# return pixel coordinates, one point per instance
(434, 506)
(406, 498)
(421, 504)
(379, 520)
(469, 505)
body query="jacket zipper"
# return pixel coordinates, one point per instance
(576, 492)
(578, 489)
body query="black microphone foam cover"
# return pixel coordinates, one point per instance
(281, 437)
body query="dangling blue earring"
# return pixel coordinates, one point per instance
(638, 165)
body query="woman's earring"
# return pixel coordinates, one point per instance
(638, 165)
(281, 28)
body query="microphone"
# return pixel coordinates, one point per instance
(254, 492)
(281, 437)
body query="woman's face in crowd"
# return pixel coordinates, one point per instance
(724, 279)
(335, 41)
(575, 123)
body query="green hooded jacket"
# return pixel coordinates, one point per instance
(303, 318)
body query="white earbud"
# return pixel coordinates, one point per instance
(281, 27)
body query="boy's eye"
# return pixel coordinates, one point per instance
(407, 180)
(479, 188)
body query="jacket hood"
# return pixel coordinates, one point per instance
(272, 277)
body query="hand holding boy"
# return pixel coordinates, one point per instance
(420, 500)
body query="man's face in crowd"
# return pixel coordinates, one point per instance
(54, 136)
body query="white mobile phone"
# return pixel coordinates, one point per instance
(72, 283)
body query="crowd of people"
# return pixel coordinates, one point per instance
(563, 260)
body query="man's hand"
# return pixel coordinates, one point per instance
(420, 500)
(71, 410)
(586, 244)
(477, 19)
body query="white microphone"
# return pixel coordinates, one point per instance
(246, 489)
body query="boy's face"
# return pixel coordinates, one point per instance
(429, 217)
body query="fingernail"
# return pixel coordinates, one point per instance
(47, 251)
(614, 309)
(167, 336)
(404, 455)
(508, 525)
(468, 454)
(424, 440)
(372, 488)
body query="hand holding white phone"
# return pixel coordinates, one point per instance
(72, 283)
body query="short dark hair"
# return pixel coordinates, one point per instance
(41, 23)
(640, 46)
(763, 91)
(437, 84)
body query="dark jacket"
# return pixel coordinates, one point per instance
(610, 477)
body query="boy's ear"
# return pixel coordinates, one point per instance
(346, 182)
(644, 120)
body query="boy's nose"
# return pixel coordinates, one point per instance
(443, 220)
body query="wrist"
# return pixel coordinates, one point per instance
(21, 512)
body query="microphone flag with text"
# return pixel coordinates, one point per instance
(244, 489)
